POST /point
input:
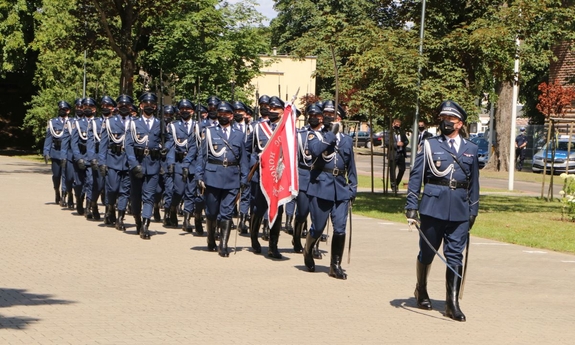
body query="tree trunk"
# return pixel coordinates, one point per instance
(499, 160)
(127, 78)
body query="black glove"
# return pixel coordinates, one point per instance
(185, 173)
(63, 163)
(103, 170)
(94, 164)
(412, 216)
(352, 200)
(138, 171)
(201, 184)
(46, 159)
(335, 127)
(471, 221)
(81, 164)
(170, 169)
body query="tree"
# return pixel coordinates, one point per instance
(554, 99)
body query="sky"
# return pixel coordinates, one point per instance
(266, 7)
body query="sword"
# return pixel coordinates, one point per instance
(464, 267)
(411, 222)
(350, 232)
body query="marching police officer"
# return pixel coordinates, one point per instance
(262, 132)
(221, 170)
(181, 161)
(167, 179)
(114, 162)
(448, 167)
(56, 148)
(240, 113)
(143, 146)
(79, 146)
(332, 186)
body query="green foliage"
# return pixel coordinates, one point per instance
(568, 196)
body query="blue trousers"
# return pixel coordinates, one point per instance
(453, 235)
(118, 188)
(245, 200)
(142, 194)
(321, 209)
(220, 203)
(82, 180)
(97, 185)
(302, 210)
(167, 182)
(290, 207)
(57, 173)
(68, 177)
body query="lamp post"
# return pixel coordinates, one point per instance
(415, 130)
(514, 117)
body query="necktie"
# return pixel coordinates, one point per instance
(452, 144)
(148, 124)
(273, 126)
(226, 133)
(186, 127)
(242, 128)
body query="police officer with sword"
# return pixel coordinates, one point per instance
(448, 167)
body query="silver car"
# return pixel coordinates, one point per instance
(561, 161)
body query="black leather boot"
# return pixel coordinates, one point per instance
(95, 211)
(198, 222)
(307, 252)
(70, 202)
(296, 241)
(242, 224)
(421, 295)
(120, 221)
(167, 221)
(157, 216)
(289, 226)
(304, 231)
(174, 216)
(110, 215)
(57, 197)
(211, 226)
(266, 230)
(186, 223)
(138, 220)
(254, 232)
(315, 250)
(337, 247)
(145, 233)
(273, 251)
(226, 228)
(453, 285)
(80, 204)
(88, 209)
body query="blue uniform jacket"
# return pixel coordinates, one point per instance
(79, 144)
(95, 130)
(440, 201)
(114, 130)
(218, 175)
(182, 146)
(255, 144)
(305, 159)
(328, 154)
(136, 141)
(57, 139)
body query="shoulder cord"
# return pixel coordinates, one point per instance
(183, 143)
(112, 136)
(95, 130)
(211, 147)
(198, 137)
(306, 158)
(53, 132)
(144, 140)
(428, 158)
(80, 132)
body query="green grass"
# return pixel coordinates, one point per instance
(526, 221)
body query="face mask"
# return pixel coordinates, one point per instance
(88, 112)
(186, 114)
(246, 120)
(313, 121)
(447, 127)
(124, 111)
(327, 120)
(106, 111)
(421, 129)
(223, 120)
(396, 128)
(264, 112)
(273, 116)
(62, 112)
(238, 117)
(213, 114)
(79, 112)
(149, 110)
(167, 119)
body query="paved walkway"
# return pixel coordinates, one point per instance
(65, 280)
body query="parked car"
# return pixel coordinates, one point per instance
(363, 139)
(561, 162)
(482, 150)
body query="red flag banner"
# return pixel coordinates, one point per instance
(278, 164)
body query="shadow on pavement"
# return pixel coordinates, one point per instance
(15, 297)
(409, 304)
